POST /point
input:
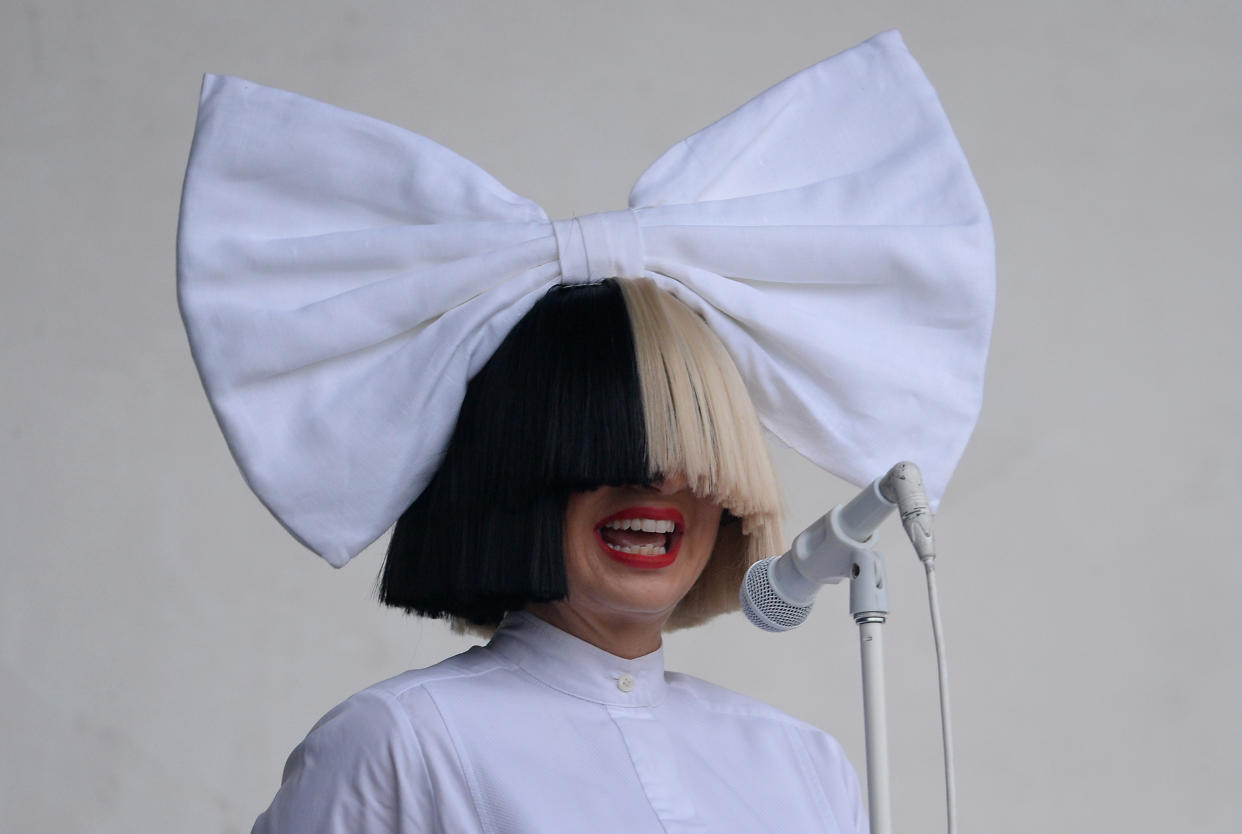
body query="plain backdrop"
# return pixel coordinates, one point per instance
(164, 644)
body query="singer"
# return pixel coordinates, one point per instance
(562, 418)
(607, 479)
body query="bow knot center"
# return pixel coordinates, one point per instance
(594, 247)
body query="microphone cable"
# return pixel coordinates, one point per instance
(942, 670)
(904, 486)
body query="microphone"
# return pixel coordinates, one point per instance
(779, 591)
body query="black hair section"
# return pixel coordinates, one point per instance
(557, 409)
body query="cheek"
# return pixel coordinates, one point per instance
(578, 527)
(712, 515)
(579, 547)
(708, 522)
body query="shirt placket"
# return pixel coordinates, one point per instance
(652, 753)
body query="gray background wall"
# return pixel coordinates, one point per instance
(163, 643)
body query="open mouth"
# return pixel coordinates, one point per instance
(644, 537)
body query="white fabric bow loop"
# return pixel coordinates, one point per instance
(595, 247)
(342, 279)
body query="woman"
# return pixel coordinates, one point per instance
(388, 334)
(566, 721)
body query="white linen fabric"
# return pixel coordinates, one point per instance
(341, 280)
(541, 732)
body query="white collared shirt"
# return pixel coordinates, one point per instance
(541, 732)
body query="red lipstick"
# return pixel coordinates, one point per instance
(639, 560)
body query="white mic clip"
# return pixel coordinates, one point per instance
(868, 587)
(838, 546)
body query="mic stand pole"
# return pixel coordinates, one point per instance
(869, 605)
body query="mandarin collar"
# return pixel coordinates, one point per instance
(575, 667)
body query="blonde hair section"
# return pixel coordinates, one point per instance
(701, 423)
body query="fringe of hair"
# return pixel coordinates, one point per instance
(700, 422)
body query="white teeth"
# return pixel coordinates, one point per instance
(646, 525)
(644, 550)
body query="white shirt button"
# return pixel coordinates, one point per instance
(626, 682)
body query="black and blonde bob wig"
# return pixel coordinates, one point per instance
(616, 383)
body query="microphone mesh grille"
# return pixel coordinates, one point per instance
(763, 607)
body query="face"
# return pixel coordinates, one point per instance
(632, 553)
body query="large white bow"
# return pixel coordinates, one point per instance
(341, 280)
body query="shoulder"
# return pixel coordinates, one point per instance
(406, 689)
(368, 764)
(810, 749)
(399, 712)
(346, 773)
(717, 699)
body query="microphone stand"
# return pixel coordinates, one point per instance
(839, 545)
(778, 594)
(846, 534)
(869, 605)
